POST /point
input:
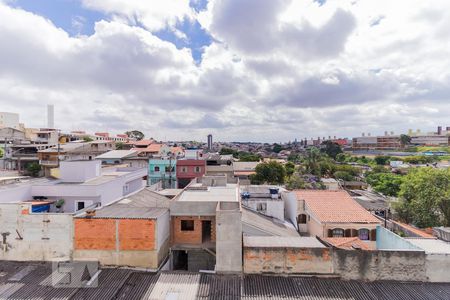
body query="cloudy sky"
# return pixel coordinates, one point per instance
(261, 70)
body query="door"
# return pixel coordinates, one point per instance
(206, 231)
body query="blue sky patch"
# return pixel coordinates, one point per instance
(69, 15)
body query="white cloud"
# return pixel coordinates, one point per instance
(277, 69)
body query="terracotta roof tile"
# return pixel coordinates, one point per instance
(349, 243)
(335, 207)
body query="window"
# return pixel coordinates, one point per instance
(364, 234)
(187, 225)
(80, 205)
(183, 169)
(261, 207)
(197, 169)
(302, 219)
(338, 232)
(156, 168)
(169, 169)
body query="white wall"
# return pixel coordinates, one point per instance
(15, 194)
(79, 171)
(290, 207)
(40, 237)
(9, 120)
(163, 229)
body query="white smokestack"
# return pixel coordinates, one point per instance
(50, 116)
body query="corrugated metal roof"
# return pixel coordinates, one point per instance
(116, 283)
(145, 204)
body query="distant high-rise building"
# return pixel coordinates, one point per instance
(210, 142)
(50, 116)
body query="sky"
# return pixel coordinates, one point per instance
(243, 70)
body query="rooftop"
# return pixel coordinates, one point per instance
(349, 243)
(254, 223)
(144, 204)
(20, 280)
(198, 192)
(335, 207)
(117, 154)
(431, 246)
(281, 242)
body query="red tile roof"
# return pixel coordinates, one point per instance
(349, 243)
(415, 230)
(335, 207)
(142, 142)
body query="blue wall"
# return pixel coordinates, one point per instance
(387, 240)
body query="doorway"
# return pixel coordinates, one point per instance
(206, 231)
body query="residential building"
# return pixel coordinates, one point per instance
(243, 170)
(206, 228)
(217, 164)
(164, 171)
(8, 119)
(85, 184)
(263, 199)
(115, 157)
(330, 183)
(325, 213)
(49, 158)
(189, 169)
(133, 231)
(193, 153)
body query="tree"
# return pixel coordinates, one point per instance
(385, 183)
(277, 148)
(425, 197)
(290, 169)
(343, 175)
(332, 149)
(87, 139)
(33, 169)
(312, 161)
(119, 146)
(135, 134)
(341, 157)
(405, 139)
(296, 182)
(247, 156)
(382, 160)
(228, 151)
(269, 172)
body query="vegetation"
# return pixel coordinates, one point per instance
(405, 139)
(87, 139)
(269, 172)
(119, 146)
(290, 169)
(135, 134)
(332, 149)
(382, 160)
(241, 155)
(425, 197)
(33, 169)
(385, 183)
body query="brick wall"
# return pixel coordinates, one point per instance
(136, 234)
(191, 237)
(288, 260)
(100, 234)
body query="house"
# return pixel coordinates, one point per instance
(115, 157)
(78, 150)
(326, 213)
(206, 228)
(243, 169)
(189, 169)
(162, 171)
(263, 199)
(133, 231)
(85, 184)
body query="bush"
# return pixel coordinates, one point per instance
(343, 175)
